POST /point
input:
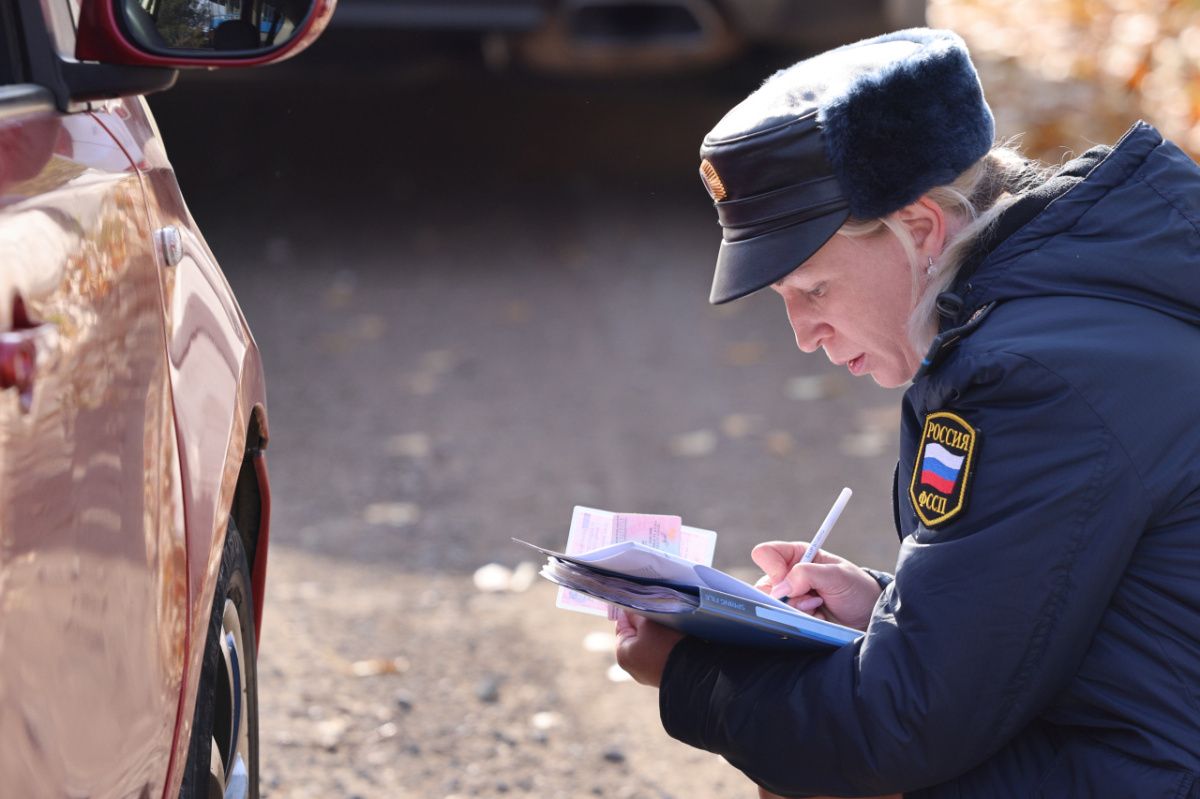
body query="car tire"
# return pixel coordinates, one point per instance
(223, 754)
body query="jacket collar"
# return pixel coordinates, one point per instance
(963, 307)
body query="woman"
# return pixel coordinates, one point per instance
(1041, 636)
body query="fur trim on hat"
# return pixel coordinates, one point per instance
(917, 123)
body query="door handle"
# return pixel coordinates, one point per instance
(18, 360)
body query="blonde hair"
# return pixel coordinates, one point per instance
(976, 198)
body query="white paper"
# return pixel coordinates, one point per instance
(594, 529)
(641, 561)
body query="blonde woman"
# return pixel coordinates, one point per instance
(1041, 634)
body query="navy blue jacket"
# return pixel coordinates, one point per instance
(1045, 639)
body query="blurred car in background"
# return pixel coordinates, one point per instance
(134, 501)
(625, 36)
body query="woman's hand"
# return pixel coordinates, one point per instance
(643, 647)
(829, 588)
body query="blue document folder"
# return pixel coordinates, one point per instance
(728, 619)
(681, 595)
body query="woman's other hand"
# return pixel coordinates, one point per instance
(643, 647)
(830, 588)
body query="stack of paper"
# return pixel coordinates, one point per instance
(593, 529)
(689, 596)
(618, 590)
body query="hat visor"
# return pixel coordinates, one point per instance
(747, 265)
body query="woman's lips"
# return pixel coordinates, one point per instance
(857, 364)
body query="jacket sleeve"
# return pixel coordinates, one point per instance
(988, 618)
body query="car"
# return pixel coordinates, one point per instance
(134, 495)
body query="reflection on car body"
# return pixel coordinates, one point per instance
(134, 504)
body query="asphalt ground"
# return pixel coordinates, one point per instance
(487, 299)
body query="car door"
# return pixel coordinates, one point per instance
(93, 569)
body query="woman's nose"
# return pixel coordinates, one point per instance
(809, 332)
(806, 340)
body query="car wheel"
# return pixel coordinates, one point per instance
(223, 755)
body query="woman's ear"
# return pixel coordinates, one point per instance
(926, 221)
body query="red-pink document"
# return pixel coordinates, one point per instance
(592, 529)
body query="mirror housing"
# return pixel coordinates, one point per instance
(123, 32)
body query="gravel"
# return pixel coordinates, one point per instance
(484, 695)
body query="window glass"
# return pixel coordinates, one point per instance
(60, 21)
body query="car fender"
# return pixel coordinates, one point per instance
(218, 396)
(217, 386)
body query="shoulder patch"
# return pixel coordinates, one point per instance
(945, 459)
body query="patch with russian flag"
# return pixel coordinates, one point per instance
(945, 458)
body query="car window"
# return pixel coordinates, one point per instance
(61, 16)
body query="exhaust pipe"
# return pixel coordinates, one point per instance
(628, 36)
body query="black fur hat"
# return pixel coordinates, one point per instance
(859, 131)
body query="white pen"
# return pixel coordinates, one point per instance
(818, 540)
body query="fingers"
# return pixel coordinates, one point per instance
(625, 626)
(643, 647)
(847, 592)
(805, 603)
(776, 557)
(780, 560)
(809, 604)
(826, 579)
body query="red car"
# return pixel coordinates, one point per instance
(134, 502)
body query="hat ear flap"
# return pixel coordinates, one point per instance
(893, 135)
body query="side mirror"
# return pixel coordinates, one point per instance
(186, 33)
